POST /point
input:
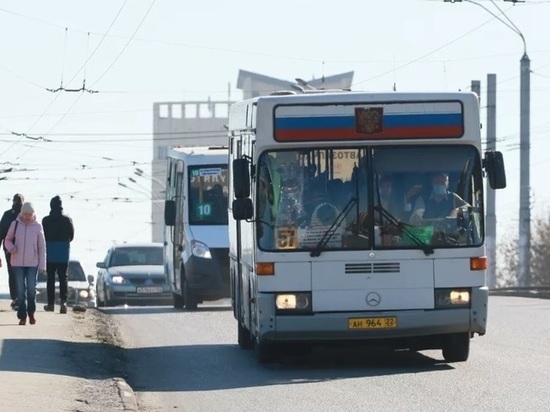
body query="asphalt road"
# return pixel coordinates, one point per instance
(189, 361)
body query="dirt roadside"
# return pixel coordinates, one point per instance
(72, 362)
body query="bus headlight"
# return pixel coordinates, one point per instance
(293, 302)
(200, 249)
(83, 294)
(452, 298)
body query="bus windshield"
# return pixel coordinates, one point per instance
(208, 195)
(381, 197)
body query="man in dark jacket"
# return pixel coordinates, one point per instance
(59, 233)
(8, 217)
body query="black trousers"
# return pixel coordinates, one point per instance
(11, 277)
(61, 270)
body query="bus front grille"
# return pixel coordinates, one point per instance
(384, 267)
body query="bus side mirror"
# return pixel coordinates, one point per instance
(241, 178)
(170, 213)
(242, 209)
(494, 166)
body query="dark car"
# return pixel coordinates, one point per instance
(81, 289)
(133, 273)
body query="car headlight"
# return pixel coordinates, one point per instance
(83, 294)
(452, 298)
(287, 303)
(200, 249)
(118, 280)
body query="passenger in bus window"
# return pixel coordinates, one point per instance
(385, 194)
(439, 203)
(335, 191)
(219, 202)
(391, 210)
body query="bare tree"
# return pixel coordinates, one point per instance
(507, 272)
(539, 273)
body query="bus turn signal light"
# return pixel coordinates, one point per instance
(265, 269)
(478, 263)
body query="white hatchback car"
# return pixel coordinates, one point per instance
(81, 288)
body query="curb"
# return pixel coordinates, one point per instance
(521, 293)
(127, 395)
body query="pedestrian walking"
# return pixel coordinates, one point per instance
(25, 242)
(7, 218)
(59, 233)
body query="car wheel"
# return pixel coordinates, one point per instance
(106, 301)
(100, 301)
(178, 301)
(456, 347)
(190, 300)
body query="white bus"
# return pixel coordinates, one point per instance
(195, 235)
(358, 218)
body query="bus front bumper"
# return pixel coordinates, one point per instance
(409, 324)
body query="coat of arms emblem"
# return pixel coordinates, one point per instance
(369, 121)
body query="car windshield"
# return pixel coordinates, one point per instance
(130, 256)
(74, 273)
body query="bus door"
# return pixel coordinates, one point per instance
(179, 229)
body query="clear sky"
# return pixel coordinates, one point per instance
(137, 52)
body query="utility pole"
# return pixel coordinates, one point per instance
(491, 222)
(524, 277)
(524, 255)
(475, 86)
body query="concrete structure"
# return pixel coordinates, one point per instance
(202, 123)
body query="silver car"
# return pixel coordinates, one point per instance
(133, 273)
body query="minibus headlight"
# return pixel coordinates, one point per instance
(293, 302)
(200, 249)
(83, 294)
(452, 298)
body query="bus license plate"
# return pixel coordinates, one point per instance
(372, 323)
(150, 289)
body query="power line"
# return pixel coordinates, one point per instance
(128, 42)
(57, 95)
(101, 40)
(423, 56)
(183, 132)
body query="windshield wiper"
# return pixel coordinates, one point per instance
(427, 249)
(332, 229)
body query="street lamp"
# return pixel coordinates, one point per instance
(524, 146)
(139, 172)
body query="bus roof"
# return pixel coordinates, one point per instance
(200, 154)
(331, 96)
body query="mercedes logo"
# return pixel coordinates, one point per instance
(373, 299)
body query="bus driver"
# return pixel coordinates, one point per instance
(439, 204)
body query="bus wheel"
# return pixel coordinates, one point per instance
(190, 301)
(244, 338)
(456, 347)
(178, 301)
(264, 352)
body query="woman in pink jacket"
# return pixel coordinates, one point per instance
(25, 243)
